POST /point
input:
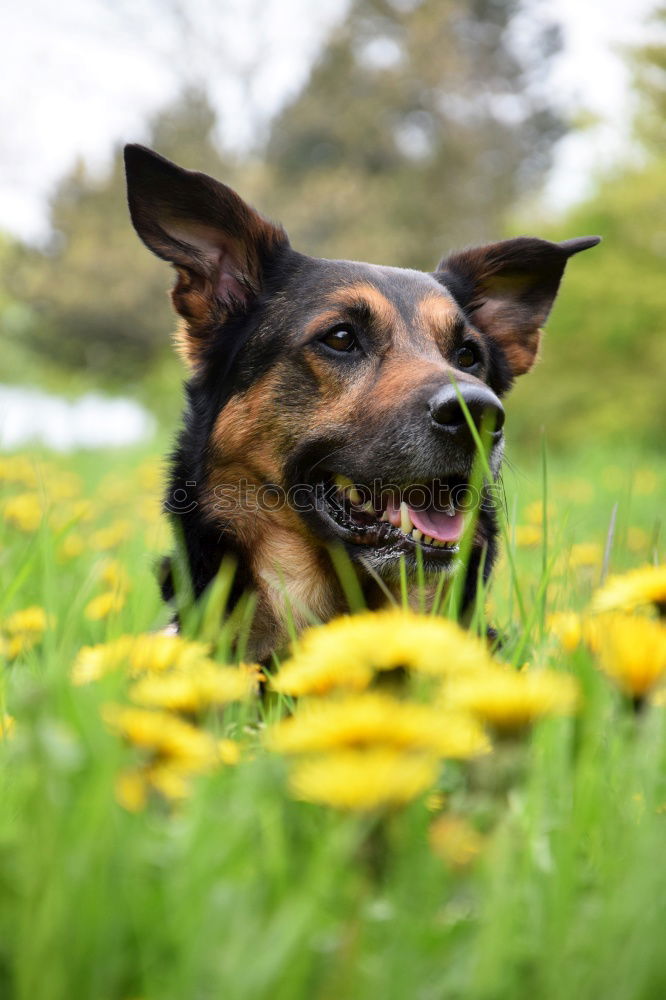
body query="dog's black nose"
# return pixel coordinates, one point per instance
(448, 416)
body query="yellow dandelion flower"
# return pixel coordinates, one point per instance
(637, 588)
(114, 574)
(632, 651)
(527, 536)
(346, 652)
(7, 726)
(193, 691)
(645, 482)
(165, 735)
(112, 536)
(147, 653)
(150, 475)
(455, 841)
(534, 512)
(567, 628)
(659, 698)
(63, 486)
(586, 555)
(29, 621)
(229, 752)
(105, 604)
(17, 644)
(374, 719)
(508, 700)
(19, 470)
(72, 547)
(579, 490)
(638, 540)
(363, 779)
(24, 512)
(132, 789)
(169, 780)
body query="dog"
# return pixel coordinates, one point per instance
(324, 394)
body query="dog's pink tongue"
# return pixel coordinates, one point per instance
(443, 527)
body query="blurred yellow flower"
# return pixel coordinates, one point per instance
(347, 651)
(579, 490)
(638, 540)
(72, 547)
(168, 779)
(22, 630)
(194, 690)
(632, 651)
(104, 605)
(585, 554)
(363, 779)
(150, 474)
(566, 626)
(639, 587)
(455, 841)
(509, 700)
(534, 512)
(527, 535)
(166, 776)
(7, 726)
(645, 482)
(112, 536)
(146, 653)
(63, 485)
(229, 751)
(132, 789)
(165, 736)
(114, 574)
(33, 620)
(18, 469)
(373, 719)
(24, 512)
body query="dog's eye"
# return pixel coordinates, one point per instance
(341, 339)
(467, 356)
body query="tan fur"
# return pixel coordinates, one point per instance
(435, 317)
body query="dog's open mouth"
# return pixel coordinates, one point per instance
(392, 519)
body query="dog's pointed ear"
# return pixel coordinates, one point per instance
(218, 244)
(507, 289)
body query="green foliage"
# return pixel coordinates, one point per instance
(649, 65)
(98, 299)
(604, 353)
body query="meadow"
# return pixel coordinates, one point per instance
(404, 813)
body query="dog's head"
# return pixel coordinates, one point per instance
(338, 382)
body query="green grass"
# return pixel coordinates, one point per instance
(241, 892)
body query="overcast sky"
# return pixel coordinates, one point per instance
(80, 75)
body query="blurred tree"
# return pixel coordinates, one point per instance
(602, 375)
(99, 299)
(649, 64)
(422, 123)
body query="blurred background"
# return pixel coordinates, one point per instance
(387, 130)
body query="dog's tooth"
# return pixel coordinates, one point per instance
(440, 545)
(343, 482)
(368, 507)
(384, 516)
(427, 539)
(417, 535)
(405, 520)
(354, 496)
